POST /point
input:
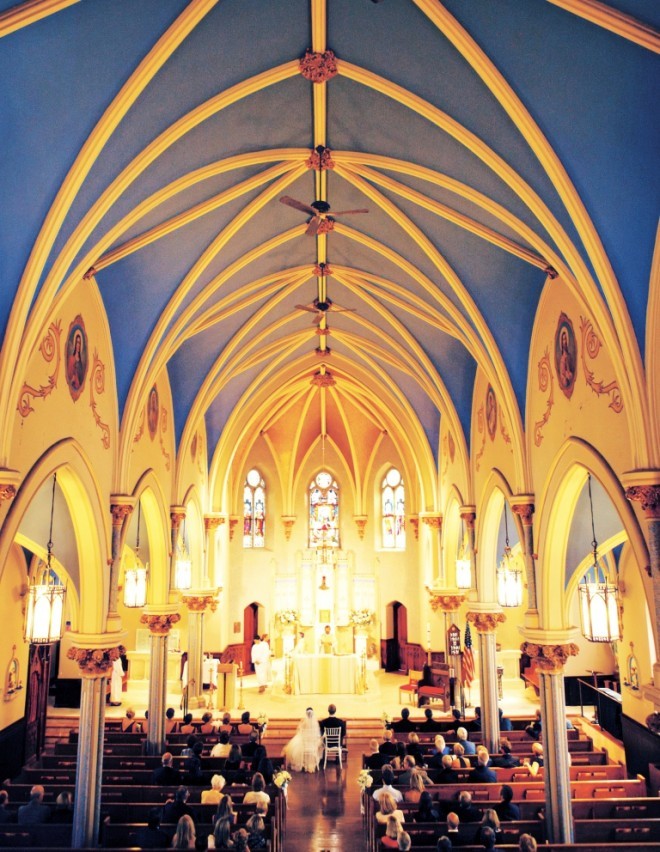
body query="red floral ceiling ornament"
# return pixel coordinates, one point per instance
(321, 159)
(318, 67)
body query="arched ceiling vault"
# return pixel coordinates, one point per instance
(153, 146)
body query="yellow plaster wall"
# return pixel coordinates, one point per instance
(192, 466)
(453, 473)
(14, 577)
(486, 452)
(156, 454)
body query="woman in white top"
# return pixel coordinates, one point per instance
(257, 794)
(303, 751)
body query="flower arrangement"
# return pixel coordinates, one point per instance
(386, 719)
(361, 617)
(262, 721)
(95, 660)
(281, 778)
(287, 616)
(365, 779)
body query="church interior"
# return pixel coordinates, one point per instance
(333, 314)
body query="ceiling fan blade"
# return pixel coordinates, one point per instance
(313, 226)
(311, 308)
(350, 212)
(298, 205)
(342, 310)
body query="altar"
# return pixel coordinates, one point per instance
(325, 674)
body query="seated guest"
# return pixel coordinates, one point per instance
(447, 775)
(405, 842)
(225, 811)
(207, 726)
(481, 772)
(375, 760)
(453, 822)
(256, 829)
(186, 726)
(257, 757)
(388, 746)
(466, 811)
(416, 787)
(491, 820)
(426, 811)
(189, 747)
(537, 752)
(440, 745)
(151, 836)
(387, 776)
(414, 748)
(234, 759)
(266, 769)
(5, 814)
(429, 724)
(460, 760)
(222, 834)
(248, 749)
(535, 728)
(63, 811)
(392, 830)
(462, 738)
(403, 724)
(257, 793)
(245, 727)
(527, 843)
(175, 808)
(240, 840)
(35, 811)
(475, 724)
(444, 844)
(166, 775)
(506, 809)
(213, 796)
(128, 723)
(192, 766)
(222, 747)
(184, 836)
(505, 723)
(488, 838)
(332, 721)
(144, 725)
(387, 808)
(170, 721)
(407, 766)
(506, 759)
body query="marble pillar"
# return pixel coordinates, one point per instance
(209, 573)
(550, 659)
(121, 509)
(469, 517)
(159, 620)
(197, 602)
(433, 520)
(177, 517)
(524, 508)
(95, 663)
(485, 623)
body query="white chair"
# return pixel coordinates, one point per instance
(332, 745)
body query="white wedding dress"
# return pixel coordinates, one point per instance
(303, 751)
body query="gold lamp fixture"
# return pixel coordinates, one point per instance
(509, 574)
(183, 564)
(463, 562)
(135, 578)
(45, 596)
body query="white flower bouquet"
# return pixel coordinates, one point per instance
(286, 616)
(281, 778)
(361, 617)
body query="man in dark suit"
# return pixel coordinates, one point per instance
(506, 809)
(166, 775)
(506, 759)
(35, 811)
(465, 809)
(388, 747)
(481, 773)
(403, 724)
(333, 721)
(175, 808)
(446, 775)
(151, 836)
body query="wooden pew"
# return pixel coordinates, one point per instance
(44, 835)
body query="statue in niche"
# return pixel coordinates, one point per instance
(12, 678)
(632, 669)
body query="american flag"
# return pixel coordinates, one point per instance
(467, 667)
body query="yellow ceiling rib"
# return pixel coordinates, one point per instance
(187, 216)
(355, 462)
(319, 25)
(29, 12)
(460, 219)
(613, 322)
(613, 20)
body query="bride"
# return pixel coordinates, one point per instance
(303, 751)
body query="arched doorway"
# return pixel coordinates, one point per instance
(253, 625)
(396, 636)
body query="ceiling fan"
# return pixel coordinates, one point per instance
(322, 306)
(319, 212)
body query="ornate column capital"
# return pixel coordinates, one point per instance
(233, 520)
(431, 519)
(360, 523)
(177, 516)
(9, 482)
(287, 522)
(160, 619)
(445, 600)
(550, 658)
(95, 653)
(486, 622)
(318, 67)
(523, 505)
(468, 515)
(121, 506)
(213, 520)
(199, 600)
(413, 520)
(648, 496)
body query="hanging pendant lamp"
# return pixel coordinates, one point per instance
(599, 600)
(183, 564)
(135, 579)
(509, 575)
(463, 562)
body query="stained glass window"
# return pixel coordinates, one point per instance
(323, 511)
(254, 510)
(393, 509)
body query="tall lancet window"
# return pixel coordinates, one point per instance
(393, 508)
(254, 510)
(323, 511)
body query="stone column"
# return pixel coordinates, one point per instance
(469, 516)
(177, 516)
(524, 508)
(121, 508)
(485, 622)
(196, 602)
(448, 602)
(550, 659)
(159, 620)
(211, 524)
(95, 660)
(433, 520)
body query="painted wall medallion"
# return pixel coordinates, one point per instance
(76, 357)
(153, 409)
(491, 412)
(565, 355)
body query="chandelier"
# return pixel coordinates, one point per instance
(599, 600)
(135, 579)
(463, 562)
(183, 563)
(509, 575)
(46, 596)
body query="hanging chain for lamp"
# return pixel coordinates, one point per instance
(135, 579)
(46, 595)
(463, 562)
(509, 577)
(599, 600)
(183, 566)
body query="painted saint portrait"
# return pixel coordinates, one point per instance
(153, 409)
(76, 357)
(565, 355)
(491, 412)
